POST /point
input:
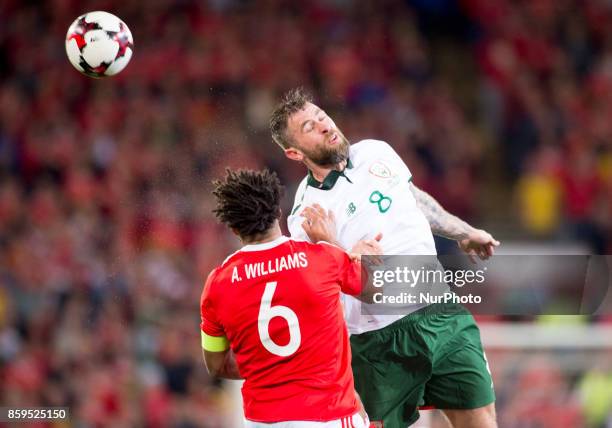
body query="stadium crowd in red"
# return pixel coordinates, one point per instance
(546, 86)
(106, 231)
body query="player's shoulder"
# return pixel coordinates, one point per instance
(299, 244)
(210, 283)
(328, 246)
(223, 272)
(321, 246)
(228, 260)
(370, 144)
(327, 251)
(212, 275)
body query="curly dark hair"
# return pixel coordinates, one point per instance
(248, 201)
(292, 101)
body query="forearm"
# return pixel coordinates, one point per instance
(442, 223)
(222, 364)
(230, 367)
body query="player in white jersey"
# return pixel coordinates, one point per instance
(432, 355)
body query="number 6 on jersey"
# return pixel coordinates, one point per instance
(266, 313)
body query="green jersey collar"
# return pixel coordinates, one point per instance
(330, 180)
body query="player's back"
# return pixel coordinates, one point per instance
(278, 304)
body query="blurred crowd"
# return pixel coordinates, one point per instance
(546, 92)
(106, 231)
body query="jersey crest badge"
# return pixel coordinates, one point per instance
(381, 170)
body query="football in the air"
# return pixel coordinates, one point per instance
(99, 44)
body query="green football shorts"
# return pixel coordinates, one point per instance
(430, 357)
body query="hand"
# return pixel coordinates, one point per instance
(367, 247)
(478, 243)
(372, 248)
(319, 225)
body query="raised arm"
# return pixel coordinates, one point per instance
(475, 242)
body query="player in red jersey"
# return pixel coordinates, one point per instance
(271, 314)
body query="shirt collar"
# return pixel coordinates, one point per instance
(329, 181)
(265, 245)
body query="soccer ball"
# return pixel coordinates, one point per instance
(99, 44)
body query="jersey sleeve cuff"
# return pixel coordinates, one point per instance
(214, 343)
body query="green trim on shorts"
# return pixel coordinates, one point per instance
(433, 356)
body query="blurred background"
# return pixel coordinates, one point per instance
(501, 109)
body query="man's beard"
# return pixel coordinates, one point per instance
(330, 156)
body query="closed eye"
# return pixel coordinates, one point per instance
(308, 126)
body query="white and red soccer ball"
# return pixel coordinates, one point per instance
(99, 44)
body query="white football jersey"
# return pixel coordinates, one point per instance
(371, 195)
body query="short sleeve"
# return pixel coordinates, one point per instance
(349, 271)
(210, 324)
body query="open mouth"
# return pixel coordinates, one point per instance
(333, 139)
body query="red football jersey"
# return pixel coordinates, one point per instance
(278, 304)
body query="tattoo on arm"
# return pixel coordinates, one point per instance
(442, 223)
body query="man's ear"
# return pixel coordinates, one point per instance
(294, 154)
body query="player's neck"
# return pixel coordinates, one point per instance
(320, 172)
(268, 236)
